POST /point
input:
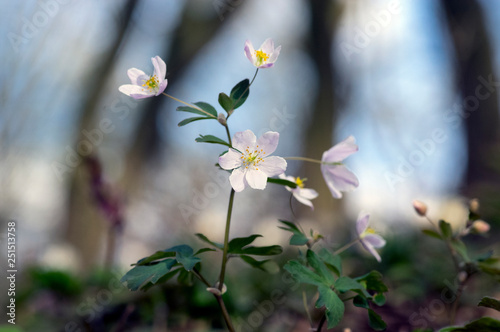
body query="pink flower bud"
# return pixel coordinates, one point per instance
(480, 226)
(420, 208)
(474, 205)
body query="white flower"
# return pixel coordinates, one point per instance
(144, 86)
(337, 176)
(303, 195)
(367, 236)
(250, 161)
(265, 56)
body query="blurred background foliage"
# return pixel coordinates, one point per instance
(416, 82)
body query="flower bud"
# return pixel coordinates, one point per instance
(222, 119)
(462, 276)
(420, 208)
(474, 205)
(480, 226)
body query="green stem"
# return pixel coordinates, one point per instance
(225, 313)
(306, 306)
(304, 159)
(226, 240)
(190, 105)
(253, 79)
(199, 276)
(345, 247)
(248, 87)
(228, 135)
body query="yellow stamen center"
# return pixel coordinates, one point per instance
(300, 182)
(252, 158)
(369, 230)
(261, 56)
(152, 83)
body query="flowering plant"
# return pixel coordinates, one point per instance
(250, 163)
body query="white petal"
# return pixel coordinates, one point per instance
(256, 179)
(374, 240)
(339, 178)
(273, 166)
(160, 68)
(268, 142)
(308, 193)
(237, 180)
(341, 150)
(230, 160)
(244, 139)
(267, 46)
(136, 76)
(372, 251)
(250, 52)
(274, 56)
(135, 91)
(302, 199)
(362, 222)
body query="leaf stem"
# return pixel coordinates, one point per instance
(321, 322)
(190, 105)
(199, 276)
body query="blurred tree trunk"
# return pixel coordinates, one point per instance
(191, 35)
(473, 52)
(84, 226)
(318, 135)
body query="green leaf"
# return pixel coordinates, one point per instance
(432, 233)
(240, 93)
(206, 240)
(189, 120)
(259, 251)
(156, 256)
(298, 238)
(460, 247)
(379, 299)
(373, 282)
(333, 304)
(320, 267)
(254, 263)
(211, 139)
(345, 284)
(207, 108)
(445, 229)
(238, 243)
(376, 321)
(361, 302)
(188, 261)
(488, 269)
(484, 324)
(141, 274)
(334, 262)
(192, 110)
(302, 274)
(225, 102)
(490, 302)
(282, 182)
(163, 279)
(202, 250)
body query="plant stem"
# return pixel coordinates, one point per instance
(228, 135)
(248, 87)
(227, 319)
(253, 79)
(345, 247)
(304, 159)
(226, 240)
(190, 105)
(199, 276)
(306, 307)
(321, 322)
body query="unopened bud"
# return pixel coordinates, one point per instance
(480, 226)
(474, 205)
(216, 291)
(420, 208)
(222, 119)
(462, 276)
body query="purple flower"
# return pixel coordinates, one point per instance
(250, 160)
(367, 236)
(265, 56)
(337, 176)
(144, 86)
